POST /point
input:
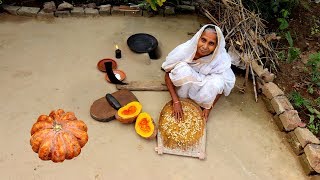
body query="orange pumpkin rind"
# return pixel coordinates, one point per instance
(58, 136)
(129, 113)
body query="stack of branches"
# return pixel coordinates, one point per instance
(246, 39)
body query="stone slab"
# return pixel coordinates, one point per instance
(268, 104)
(278, 122)
(11, 9)
(77, 12)
(49, 7)
(43, 14)
(28, 11)
(133, 13)
(294, 143)
(168, 10)
(186, 8)
(305, 136)
(306, 165)
(147, 13)
(105, 10)
(281, 104)
(65, 6)
(62, 13)
(186, 2)
(91, 12)
(105, 7)
(271, 90)
(290, 120)
(312, 151)
(115, 11)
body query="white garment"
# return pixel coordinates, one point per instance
(202, 79)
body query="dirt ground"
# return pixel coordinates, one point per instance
(46, 65)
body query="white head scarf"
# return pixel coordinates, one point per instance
(217, 62)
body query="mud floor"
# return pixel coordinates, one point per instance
(46, 65)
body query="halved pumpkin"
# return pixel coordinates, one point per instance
(129, 112)
(145, 126)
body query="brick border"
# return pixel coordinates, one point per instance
(303, 143)
(108, 10)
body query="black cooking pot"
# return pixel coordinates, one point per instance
(143, 43)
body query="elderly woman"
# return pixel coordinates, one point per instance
(199, 69)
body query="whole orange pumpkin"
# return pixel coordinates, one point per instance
(58, 136)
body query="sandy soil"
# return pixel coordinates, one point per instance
(47, 65)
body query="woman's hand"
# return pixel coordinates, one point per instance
(177, 111)
(205, 113)
(176, 104)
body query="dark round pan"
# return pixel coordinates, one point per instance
(142, 43)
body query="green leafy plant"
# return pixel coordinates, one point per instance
(310, 89)
(283, 19)
(283, 9)
(314, 64)
(289, 38)
(315, 29)
(313, 127)
(298, 100)
(282, 55)
(317, 101)
(292, 53)
(283, 23)
(309, 108)
(314, 118)
(154, 3)
(272, 10)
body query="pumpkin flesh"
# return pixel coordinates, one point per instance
(129, 112)
(145, 126)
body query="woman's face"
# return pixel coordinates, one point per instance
(207, 43)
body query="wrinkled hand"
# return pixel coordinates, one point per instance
(205, 114)
(177, 111)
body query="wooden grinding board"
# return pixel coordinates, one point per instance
(192, 146)
(102, 111)
(144, 86)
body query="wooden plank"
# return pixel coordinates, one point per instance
(144, 86)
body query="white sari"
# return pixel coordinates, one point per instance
(203, 79)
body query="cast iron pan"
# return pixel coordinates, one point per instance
(142, 43)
